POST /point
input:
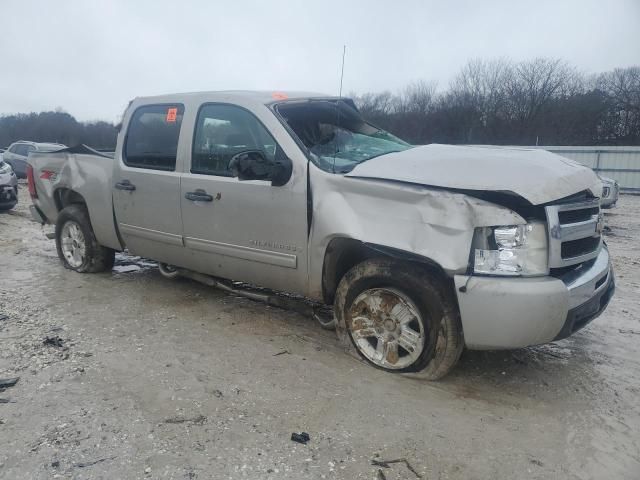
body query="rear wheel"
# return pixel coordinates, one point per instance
(76, 243)
(400, 317)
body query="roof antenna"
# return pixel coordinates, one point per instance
(344, 51)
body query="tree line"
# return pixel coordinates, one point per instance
(56, 127)
(541, 101)
(501, 102)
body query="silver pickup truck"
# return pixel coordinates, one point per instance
(421, 250)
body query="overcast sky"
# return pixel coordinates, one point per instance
(91, 57)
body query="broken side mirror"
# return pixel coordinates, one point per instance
(253, 165)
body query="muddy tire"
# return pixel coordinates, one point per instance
(400, 317)
(76, 243)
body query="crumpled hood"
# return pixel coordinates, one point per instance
(536, 175)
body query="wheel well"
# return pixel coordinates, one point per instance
(342, 254)
(64, 197)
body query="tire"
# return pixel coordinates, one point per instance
(402, 304)
(75, 234)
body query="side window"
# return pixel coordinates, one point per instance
(152, 137)
(23, 150)
(222, 131)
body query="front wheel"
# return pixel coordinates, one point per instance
(76, 243)
(400, 317)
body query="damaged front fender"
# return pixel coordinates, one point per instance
(434, 224)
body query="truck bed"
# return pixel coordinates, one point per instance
(62, 175)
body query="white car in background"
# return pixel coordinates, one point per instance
(18, 152)
(8, 186)
(610, 192)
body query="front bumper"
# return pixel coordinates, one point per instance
(502, 313)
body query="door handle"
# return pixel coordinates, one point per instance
(125, 185)
(198, 196)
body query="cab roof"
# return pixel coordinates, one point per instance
(264, 97)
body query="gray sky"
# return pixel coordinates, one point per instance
(92, 57)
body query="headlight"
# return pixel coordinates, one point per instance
(516, 250)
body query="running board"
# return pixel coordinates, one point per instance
(300, 305)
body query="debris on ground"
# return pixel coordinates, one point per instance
(381, 475)
(282, 352)
(217, 393)
(93, 462)
(8, 382)
(302, 437)
(198, 420)
(387, 464)
(53, 342)
(4, 316)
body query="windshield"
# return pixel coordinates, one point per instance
(336, 135)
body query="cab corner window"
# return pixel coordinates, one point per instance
(223, 131)
(152, 137)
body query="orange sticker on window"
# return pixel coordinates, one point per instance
(279, 96)
(172, 114)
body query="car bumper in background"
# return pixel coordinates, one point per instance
(501, 313)
(8, 196)
(610, 194)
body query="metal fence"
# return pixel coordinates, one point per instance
(620, 163)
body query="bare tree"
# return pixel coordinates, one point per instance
(417, 98)
(534, 84)
(479, 93)
(622, 88)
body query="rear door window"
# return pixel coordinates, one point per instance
(152, 137)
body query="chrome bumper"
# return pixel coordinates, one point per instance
(502, 313)
(587, 281)
(589, 294)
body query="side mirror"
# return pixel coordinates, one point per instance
(253, 165)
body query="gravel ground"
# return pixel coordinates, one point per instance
(144, 377)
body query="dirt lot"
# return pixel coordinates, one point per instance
(153, 378)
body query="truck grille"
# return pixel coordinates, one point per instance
(575, 232)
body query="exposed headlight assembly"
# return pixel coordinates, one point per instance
(514, 250)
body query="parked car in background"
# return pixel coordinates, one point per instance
(610, 192)
(17, 153)
(8, 187)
